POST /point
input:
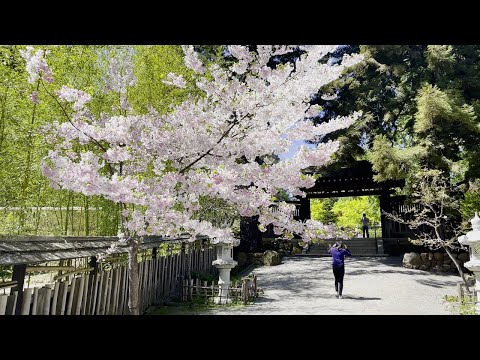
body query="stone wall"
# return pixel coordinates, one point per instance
(267, 258)
(283, 247)
(436, 262)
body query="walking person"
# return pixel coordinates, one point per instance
(365, 224)
(339, 251)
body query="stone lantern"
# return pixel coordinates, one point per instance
(224, 263)
(472, 239)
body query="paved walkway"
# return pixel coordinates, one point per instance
(302, 285)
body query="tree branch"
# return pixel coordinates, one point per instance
(76, 128)
(208, 152)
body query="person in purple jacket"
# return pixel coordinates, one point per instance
(339, 251)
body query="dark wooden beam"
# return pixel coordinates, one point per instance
(326, 194)
(18, 275)
(304, 211)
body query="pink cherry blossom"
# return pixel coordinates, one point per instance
(34, 97)
(191, 59)
(37, 66)
(175, 80)
(78, 97)
(206, 146)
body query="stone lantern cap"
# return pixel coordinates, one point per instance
(473, 236)
(219, 242)
(224, 256)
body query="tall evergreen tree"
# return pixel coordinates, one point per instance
(420, 109)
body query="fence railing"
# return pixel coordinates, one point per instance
(242, 291)
(105, 292)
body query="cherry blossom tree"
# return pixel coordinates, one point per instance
(159, 166)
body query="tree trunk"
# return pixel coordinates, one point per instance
(66, 212)
(2, 119)
(133, 293)
(459, 268)
(250, 235)
(28, 166)
(87, 217)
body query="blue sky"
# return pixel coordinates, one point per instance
(294, 148)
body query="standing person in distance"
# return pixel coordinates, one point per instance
(339, 251)
(365, 224)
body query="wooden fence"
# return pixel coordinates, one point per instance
(105, 292)
(242, 291)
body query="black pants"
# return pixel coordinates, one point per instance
(339, 272)
(365, 230)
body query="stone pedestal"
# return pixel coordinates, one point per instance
(224, 263)
(472, 239)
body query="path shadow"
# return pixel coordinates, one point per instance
(390, 271)
(436, 283)
(352, 297)
(262, 299)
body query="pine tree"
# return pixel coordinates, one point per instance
(420, 109)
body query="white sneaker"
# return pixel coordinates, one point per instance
(340, 296)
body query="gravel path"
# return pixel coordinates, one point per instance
(303, 285)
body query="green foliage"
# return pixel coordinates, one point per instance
(321, 210)
(214, 54)
(420, 109)
(282, 195)
(349, 211)
(383, 87)
(445, 126)
(6, 272)
(440, 59)
(346, 212)
(22, 145)
(217, 211)
(466, 307)
(434, 105)
(203, 276)
(153, 64)
(389, 162)
(470, 203)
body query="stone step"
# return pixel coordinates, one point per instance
(312, 248)
(349, 248)
(358, 247)
(371, 250)
(350, 243)
(355, 255)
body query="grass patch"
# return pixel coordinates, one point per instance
(466, 307)
(195, 307)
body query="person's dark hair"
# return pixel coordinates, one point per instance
(363, 214)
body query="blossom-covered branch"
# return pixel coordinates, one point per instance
(207, 146)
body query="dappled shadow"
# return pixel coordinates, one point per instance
(436, 283)
(353, 267)
(306, 286)
(389, 261)
(262, 299)
(310, 274)
(311, 297)
(351, 297)
(295, 286)
(390, 271)
(361, 266)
